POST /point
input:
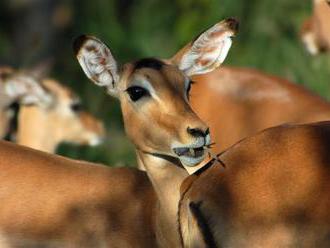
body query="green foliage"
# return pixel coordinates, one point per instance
(268, 40)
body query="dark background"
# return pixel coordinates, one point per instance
(32, 31)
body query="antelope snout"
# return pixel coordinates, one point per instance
(194, 150)
(198, 131)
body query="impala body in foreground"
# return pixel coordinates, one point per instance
(51, 201)
(239, 102)
(315, 32)
(270, 190)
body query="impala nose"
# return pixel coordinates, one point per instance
(198, 132)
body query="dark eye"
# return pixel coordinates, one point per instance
(76, 107)
(136, 93)
(189, 88)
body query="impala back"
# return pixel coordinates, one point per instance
(270, 190)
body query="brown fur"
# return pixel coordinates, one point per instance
(273, 192)
(239, 102)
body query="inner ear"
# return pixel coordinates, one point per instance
(208, 50)
(97, 62)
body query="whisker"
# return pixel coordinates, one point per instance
(210, 145)
(216, 158)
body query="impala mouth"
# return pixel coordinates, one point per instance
(189, 152)
(190, 156)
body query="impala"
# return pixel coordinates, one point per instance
(239, 102)
(315, 32)
(64, 121)
(158, 119)
(269, 190)
(22, 87)
(49, 200)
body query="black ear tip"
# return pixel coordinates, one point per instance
(78, 43)
(233, 24)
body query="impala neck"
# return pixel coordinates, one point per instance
(40, 143)
(166, 177)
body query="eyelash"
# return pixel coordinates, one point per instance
(76, 107)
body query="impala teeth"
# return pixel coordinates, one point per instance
(192, 152)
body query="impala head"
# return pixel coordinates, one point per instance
(24, 87)
(64, 121)
(154, 93)
(76, 125)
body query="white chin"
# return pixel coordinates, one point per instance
(95, 141)
(190, 161)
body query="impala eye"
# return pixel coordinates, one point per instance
(136, 93)
(76, 107)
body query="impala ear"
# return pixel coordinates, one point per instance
(28, 90)
(208, 50)
(96, 60)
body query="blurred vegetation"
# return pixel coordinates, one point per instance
(268, 40)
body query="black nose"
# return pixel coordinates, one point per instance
(197, 132)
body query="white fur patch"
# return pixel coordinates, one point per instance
(310, 43)
(141, 81)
